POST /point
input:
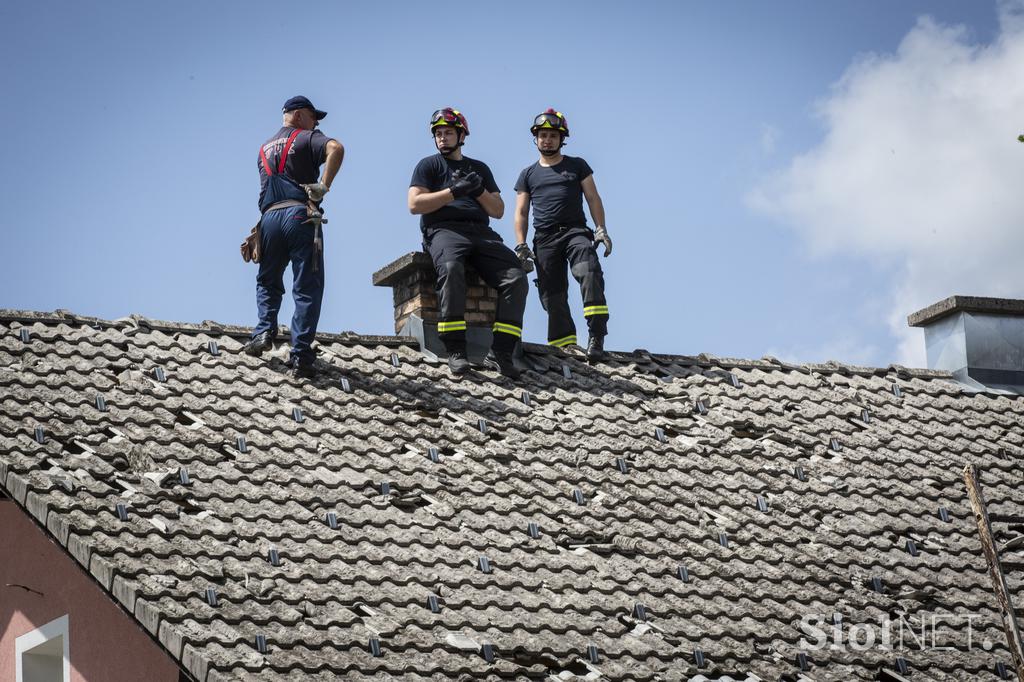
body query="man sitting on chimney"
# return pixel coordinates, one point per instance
(455, 197)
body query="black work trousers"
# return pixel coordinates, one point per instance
(479, 246)
(569, 249)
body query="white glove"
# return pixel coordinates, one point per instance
(601, 237)
(316, 191)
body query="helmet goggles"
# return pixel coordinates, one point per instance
(552, 120)
(449, 117)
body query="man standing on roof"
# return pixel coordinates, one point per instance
(555, 185)
(290, 232)
(455, 195)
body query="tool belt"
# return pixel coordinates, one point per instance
(250, 246)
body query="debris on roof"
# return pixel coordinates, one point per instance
(408, 525)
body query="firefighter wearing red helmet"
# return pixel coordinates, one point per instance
(455, 197)
(555, 186)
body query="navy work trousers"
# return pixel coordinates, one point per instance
(285, 239)
(498, 266)
(569, 249)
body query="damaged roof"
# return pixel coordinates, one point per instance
(652, 517)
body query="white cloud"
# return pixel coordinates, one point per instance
(846, 349)
(919, 166)
(769, 138)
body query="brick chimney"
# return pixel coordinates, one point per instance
(413, 280)
(979, 340)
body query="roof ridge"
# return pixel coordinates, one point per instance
(701, 360)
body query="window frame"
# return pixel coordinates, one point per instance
(58, 627)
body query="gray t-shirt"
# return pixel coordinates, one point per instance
(556, 192)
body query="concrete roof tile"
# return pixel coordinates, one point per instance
(814, 550)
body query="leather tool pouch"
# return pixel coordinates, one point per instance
(250, 247)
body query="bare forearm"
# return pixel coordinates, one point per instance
(522, 227)
(522, 217)
(596, 210)
(428, 202)
(492, 204)
(335, 155)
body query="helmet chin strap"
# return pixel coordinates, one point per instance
(451, 151)
(550, 152)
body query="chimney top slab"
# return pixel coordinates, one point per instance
(972, 304)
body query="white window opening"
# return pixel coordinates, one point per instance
(42, 655)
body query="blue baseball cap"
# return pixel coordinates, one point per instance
(300, 102)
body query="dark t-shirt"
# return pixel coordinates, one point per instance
(307, 153)
(436, 173)
(556, 192)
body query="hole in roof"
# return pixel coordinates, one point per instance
(184, 418)
(410, 501)
(528, 659)
(576, 667)
(73, 448)
(364, 611)
(428, 412)
(748, 430)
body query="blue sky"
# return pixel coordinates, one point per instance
(130, 174)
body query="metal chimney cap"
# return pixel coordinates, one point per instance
(971, 304)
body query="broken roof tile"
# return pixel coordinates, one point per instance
(385, 566)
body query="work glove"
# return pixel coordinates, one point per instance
(601, 237)
(526, 257)
(471, 185)
(316, 191)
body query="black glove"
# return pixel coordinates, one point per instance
(526, 256)
(470, 184)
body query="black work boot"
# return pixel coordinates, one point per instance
(258, 344)
(503, 360)
(301, 370)
(304, 371)
(595, 349)
(458, 364)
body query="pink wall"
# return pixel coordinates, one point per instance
(105, 644)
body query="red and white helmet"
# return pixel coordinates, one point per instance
(552, 120)
(449, 117)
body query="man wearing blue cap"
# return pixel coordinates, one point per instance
(290, 232)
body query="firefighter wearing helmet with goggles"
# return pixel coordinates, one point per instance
(455, 197)
(555, 186)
